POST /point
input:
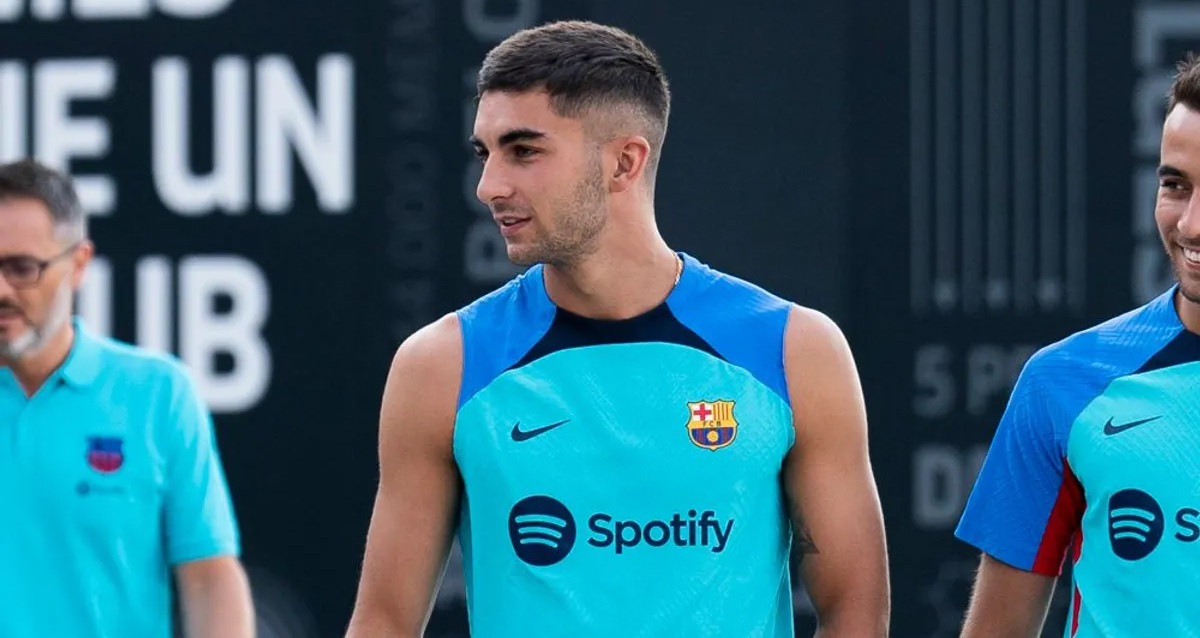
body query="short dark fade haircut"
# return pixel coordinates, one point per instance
(583, 66)
(1185, 89)
(28, 178)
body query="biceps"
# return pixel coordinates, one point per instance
(832, 497)
(837, 522)
(410, 534)
(1007, 601)
(836, 516)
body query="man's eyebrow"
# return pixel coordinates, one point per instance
(520, 135)
(509, 137)
(1166, 170)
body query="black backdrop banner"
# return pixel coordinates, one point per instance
(282, 191)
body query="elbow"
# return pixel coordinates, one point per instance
(866, 614)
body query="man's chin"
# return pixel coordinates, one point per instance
(522, 257)
(18, 347)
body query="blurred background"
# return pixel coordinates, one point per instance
(281, 192)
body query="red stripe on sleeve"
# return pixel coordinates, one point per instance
(1062, 526)
(1078, 546)
(1077, 607)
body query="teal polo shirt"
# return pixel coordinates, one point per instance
(109, 476)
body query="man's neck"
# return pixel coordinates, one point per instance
(34, 368)
(621, 280)
(1189, 313)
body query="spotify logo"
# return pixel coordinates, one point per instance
(542, 530)
(1135, 524)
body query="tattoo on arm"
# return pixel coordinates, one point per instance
(802, 536)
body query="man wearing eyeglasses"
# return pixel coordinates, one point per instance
(109, 473)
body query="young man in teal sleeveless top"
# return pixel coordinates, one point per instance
(626, 441)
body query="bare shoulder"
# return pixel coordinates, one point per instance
(423, 382)
(813, 339)
(434, 349)
(822, 378)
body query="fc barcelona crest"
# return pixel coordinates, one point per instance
(104, 453)
(711, 424)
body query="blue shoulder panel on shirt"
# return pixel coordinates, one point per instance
(1009, 509)
(742, 322)
(499, 328)
(1077, 369)
(708, 310)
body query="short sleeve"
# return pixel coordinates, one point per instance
(1026, 506)
(199, 517)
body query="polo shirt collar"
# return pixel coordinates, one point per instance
(84, 361)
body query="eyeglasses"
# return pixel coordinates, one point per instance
(24, 271)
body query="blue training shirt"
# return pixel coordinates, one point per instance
(622, 478)
(1098, 457)
(109, 476)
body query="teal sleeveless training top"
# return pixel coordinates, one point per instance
(622, 478)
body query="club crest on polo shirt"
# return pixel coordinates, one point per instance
(104, 453)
